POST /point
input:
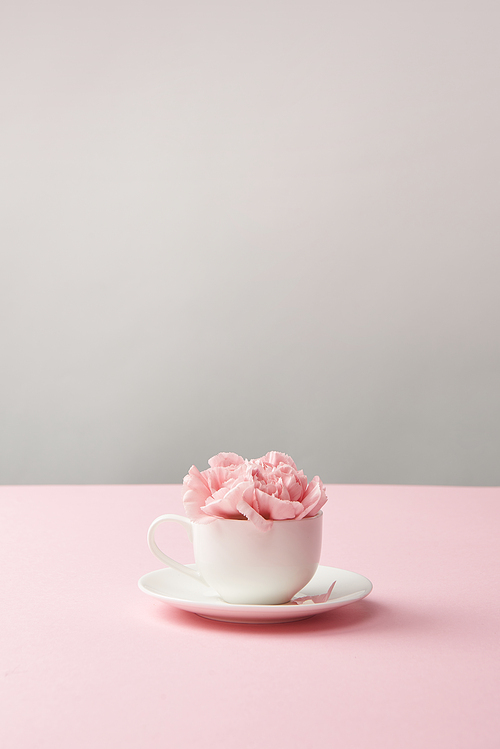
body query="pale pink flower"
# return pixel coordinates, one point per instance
(261, 490)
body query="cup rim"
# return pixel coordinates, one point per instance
(243, 519)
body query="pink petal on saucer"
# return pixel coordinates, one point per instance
(321, 598)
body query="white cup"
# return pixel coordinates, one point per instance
(247, 565)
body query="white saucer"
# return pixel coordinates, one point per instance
(188, 594)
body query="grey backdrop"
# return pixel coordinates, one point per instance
(250, 226)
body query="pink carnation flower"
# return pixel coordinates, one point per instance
(260, 490)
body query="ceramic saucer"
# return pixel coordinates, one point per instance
(188, 594)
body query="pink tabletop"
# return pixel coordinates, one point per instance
(88, 660)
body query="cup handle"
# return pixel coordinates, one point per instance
(163, 557)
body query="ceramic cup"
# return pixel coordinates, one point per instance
(246, 565)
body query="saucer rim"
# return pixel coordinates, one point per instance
(214, 608)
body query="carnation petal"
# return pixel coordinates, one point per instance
(195, 493)
(224, 504)
(220, 509)
(314, 498)
(216, 477)
(263, 500)
(283, 509)
(275, 459)
(290, 510)
(320, 598)
(261, 523)
(223, 460)
(293, 487)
